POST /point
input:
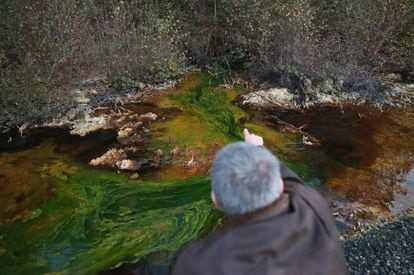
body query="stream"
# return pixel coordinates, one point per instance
(60, 214)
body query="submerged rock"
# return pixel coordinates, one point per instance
(134, 176)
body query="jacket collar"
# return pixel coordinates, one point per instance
(278, 207)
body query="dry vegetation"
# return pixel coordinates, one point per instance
(47, 46)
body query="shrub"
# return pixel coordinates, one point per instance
(48, 46)
(140, 40)
(58, 43)
(24, 99)
(328, 38)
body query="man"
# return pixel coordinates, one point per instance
(275, 224)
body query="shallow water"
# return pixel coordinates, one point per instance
(60, 215)
(364, 155)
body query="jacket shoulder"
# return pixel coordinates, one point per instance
(311, 197)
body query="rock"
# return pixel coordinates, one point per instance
(89, 124)
(120, 120)
(128, 135)
(110, 158)
(148, 116)
(278, 96)
(306, 140)
(381, 250)
(124, 133)
(134, 176)
(128, 164)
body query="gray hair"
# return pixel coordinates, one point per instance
(245, 178)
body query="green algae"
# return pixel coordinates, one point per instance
(208, 114)
(100, 219)
(60, 216)
(28, 178)
(209, 120)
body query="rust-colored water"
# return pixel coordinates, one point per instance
(365, 155)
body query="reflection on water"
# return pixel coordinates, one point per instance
(404, 196)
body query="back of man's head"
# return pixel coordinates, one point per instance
(245, 178)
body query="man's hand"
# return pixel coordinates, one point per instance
(252, 138)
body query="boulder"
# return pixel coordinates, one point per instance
(128, 164)
(110, 158)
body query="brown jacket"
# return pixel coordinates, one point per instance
(296, 235)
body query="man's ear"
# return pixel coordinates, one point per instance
(214, 199)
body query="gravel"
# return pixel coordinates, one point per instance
(388, 249)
